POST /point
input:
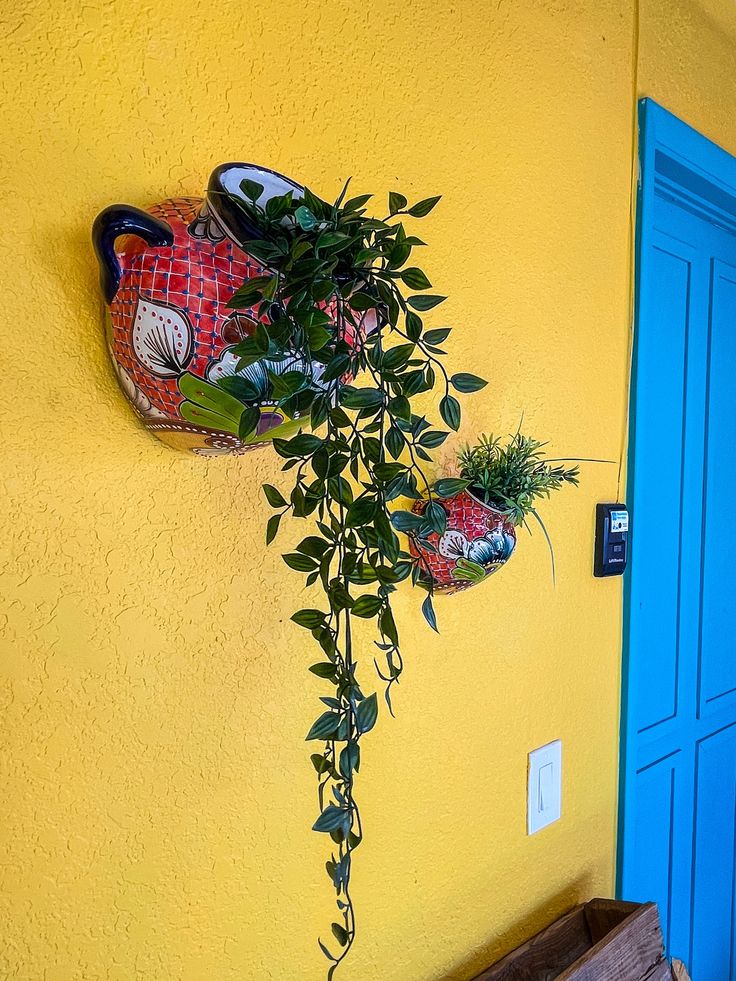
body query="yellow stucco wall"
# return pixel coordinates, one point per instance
(156, 792)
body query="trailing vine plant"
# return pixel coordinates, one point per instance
(340, 319)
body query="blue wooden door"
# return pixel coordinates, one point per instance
(677, 831)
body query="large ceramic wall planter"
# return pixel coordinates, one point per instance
(478, 541)
(167, 274)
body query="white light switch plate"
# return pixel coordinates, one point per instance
(544, 794)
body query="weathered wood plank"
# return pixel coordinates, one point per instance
(547, 954)
(679, 971)
(628, 953)
(660, 973)
(605, 914)
(603, 940)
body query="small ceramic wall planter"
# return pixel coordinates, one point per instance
(167, 274)
(477, 542)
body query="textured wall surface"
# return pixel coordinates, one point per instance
(156, 789)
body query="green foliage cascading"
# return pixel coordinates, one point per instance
(332, 270)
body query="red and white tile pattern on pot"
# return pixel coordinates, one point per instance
(473, 520)
(194, 276)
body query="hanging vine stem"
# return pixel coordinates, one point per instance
(328, 270)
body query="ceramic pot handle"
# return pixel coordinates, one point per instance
(123, 219)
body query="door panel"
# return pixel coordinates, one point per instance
(678, 773)
(659, 447)
(655, 832)
(717, 663)
(713, 885)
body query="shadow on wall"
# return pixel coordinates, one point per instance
(536, 920)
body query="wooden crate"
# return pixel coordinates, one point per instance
(603, 940)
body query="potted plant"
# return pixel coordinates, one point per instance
(344, 349)
(499, 486)
(167, 275)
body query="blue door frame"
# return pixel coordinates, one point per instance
(677, 801)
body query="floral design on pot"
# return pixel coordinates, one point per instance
(467, 530)
(169, 275)
(477, 542)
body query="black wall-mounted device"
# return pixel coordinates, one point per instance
(611, 539)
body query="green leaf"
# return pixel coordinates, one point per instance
(436, 517)
(239, 388)
(422, 208)
(298, 562)
(542, 525)
(248, 353)
(336, 367)
(324, 670)
(464, 382)
(398, 255)
(303, 445)
(340, 933)
(325, 726)
(400, 408)
(319, 763)
(426, 302)
(433, 438)
(387, 471)
(438, 335)
(340, 490)
(313, 545)
(361, 512)
(387, 625)
(361, 398)
(450, 486)
(287, 384)
(413, 382)
(275, 498)
(397, 356)
(320, 411)
(322, 289)
(340, 598)
(357, 202)
(394, 441)
(349, 759)
(428, 611)
(250, 292)
(278, 206)
(388, 543)
(406, 521)
(328, 955)
(317, 337)
(311, 317)
(331, 241)
(251, 189)
(396, 202)
(309, 618)
(450, 411)
(413, 326)
(299, 248)
(367, 606)
(367, 713)
(272, 527)
(362, 301)
(371, 449)
(415, 279)
(330, 819)
(305, 219)
(248, 422)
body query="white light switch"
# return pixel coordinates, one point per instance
(544, 798)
